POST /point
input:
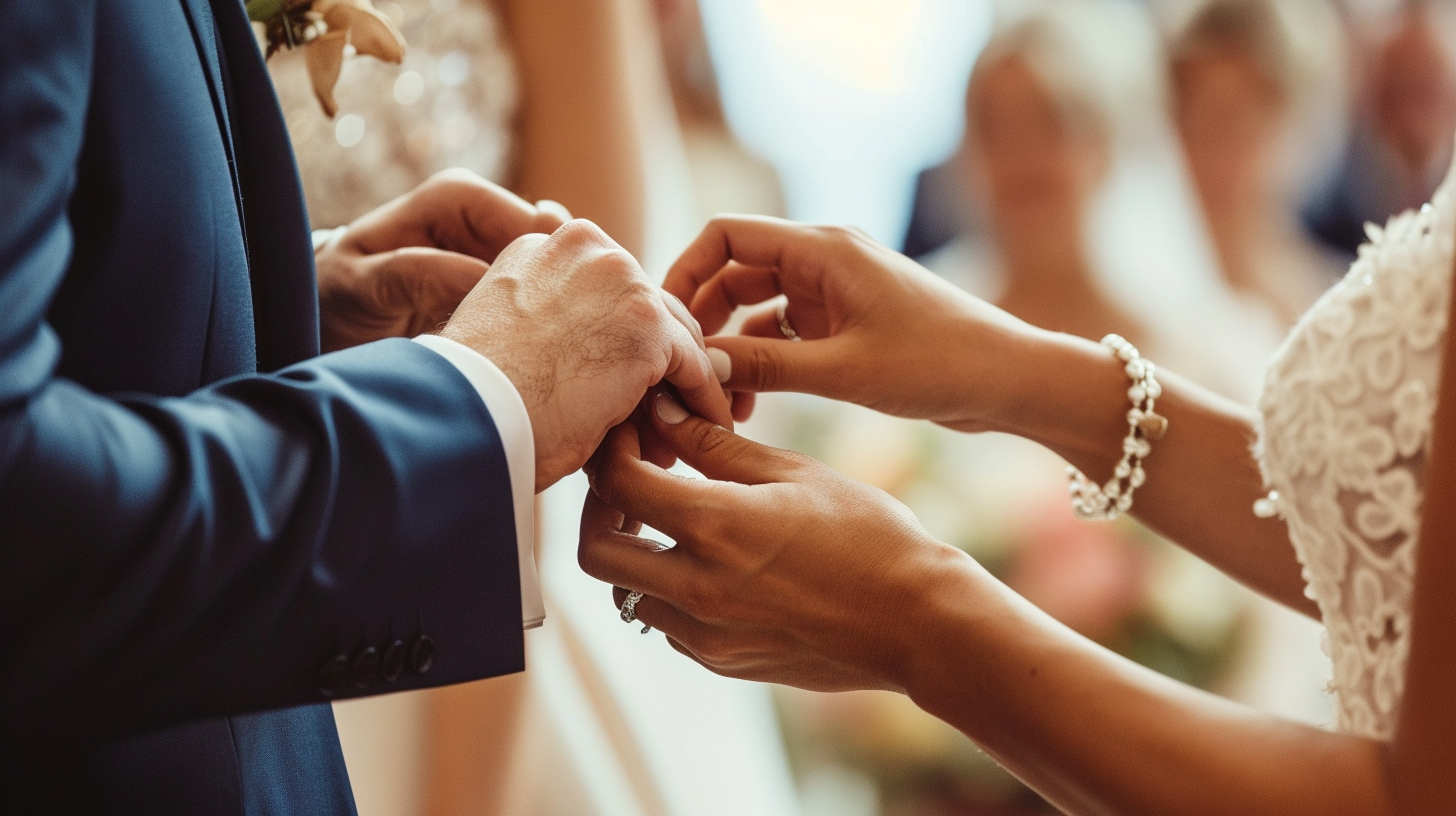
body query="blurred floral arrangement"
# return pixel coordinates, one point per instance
(450, 103)
(1002, 500)
(327, 31)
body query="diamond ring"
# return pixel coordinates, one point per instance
(629, 606)
(784, 327)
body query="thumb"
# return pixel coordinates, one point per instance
(762, 364)
(715, 451)
(431, 282)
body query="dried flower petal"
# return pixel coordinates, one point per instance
(324, 57)
(370, 32)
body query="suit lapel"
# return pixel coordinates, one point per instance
(276, 227)
(204, 35)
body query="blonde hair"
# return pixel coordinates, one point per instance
(1097, 59)
(1297, 43)
(1300, 46)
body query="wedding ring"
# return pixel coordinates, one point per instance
(629, 607)
(784, 327)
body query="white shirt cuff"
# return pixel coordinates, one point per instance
(513, 425)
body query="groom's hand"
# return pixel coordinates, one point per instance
(401, 270)
(582, 333)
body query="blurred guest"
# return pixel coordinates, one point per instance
(1040, 123)
(1254, 85)
(1056, 103)
(1406, 111)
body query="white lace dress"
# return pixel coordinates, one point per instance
(1347, 412)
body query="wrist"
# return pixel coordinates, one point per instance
(949, 583)
(1067, 393)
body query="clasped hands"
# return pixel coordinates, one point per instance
(783, 570)
(562, 310)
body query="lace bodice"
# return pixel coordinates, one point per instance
(1347, 410)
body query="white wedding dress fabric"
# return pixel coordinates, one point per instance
(1347, 414)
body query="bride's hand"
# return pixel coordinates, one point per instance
(878, 329)
(784, 571)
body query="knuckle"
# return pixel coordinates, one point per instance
(456, 177)
(587, 557)
(846, 239)
(637, 310)
(708, 438)
(703, 601)
(838, 234)
(580, 232)
(604, 483)
(796, 462)
(715, 650)
(721, 222)
(765, 368)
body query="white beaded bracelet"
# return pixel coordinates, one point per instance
(1105, 503)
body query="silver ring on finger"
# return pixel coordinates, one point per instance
(629, 606)
(784, 326)
(629, 609)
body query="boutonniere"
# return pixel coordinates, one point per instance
(324, 29)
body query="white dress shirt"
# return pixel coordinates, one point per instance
(513, 425)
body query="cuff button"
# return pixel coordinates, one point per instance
(422, 654)
(334, 676)
(392, 664)
(366, 667)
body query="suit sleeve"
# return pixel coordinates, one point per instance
(342, 527)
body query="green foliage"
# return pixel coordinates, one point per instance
(262, 11)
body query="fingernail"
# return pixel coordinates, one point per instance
(722, 364)
(669, 411)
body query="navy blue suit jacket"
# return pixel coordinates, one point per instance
(207, 530)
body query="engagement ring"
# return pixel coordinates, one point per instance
(788, 330)
(629, 606)
(629, 609)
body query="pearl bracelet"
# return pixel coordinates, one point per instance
(1093, 503)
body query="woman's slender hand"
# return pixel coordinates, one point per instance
(882, 331)
(878, 329)
(784, 571)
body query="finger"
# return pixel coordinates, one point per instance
(522, 245)
(651, 447)
(643, 491)
(795, 250)
(764, 324)
(743, 403)
(687, 652)
(664, 617)
(455, 210)
(608, 554)
(691, 371)
(713, 451)
(734, 286)
(550, 215)
(775, 363)
(683, 316)
(427, 282)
